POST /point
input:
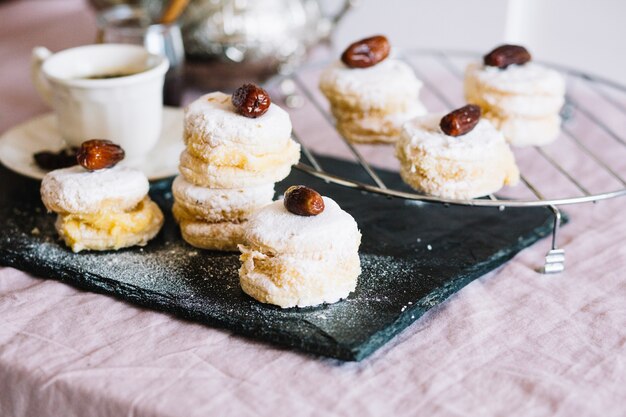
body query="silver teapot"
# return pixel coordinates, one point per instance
(240, 30)
(248, 39)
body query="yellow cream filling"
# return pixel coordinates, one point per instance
(114, 223)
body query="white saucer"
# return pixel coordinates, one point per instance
(19, 144)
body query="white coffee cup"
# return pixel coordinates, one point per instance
(125, 108)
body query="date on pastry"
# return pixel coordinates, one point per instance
(506, 55)
(366, 52)
(98, 154)
(251, 101)
(303, 201)
(461, 120)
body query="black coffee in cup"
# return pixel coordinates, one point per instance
(113, 74)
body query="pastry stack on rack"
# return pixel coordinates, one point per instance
(520, 97)
(236, 149)
(371, 95)
(459, 155)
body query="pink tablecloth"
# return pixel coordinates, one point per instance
(512, 343)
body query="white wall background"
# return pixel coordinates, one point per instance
(586, 34)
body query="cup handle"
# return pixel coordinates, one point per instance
(39, 55)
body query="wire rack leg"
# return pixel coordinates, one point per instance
(555, 258)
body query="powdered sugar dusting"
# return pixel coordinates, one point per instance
(530, 78)
(224, 199)
(283, 232)
(76, 190)
(212, 118)
(169, 275)
(424, 133)
(375, 84)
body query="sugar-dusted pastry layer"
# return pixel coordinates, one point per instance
(111, 229)
(374, 128)
(211, 120)
(219, 204)
(203, 174)
(385, 86)
(523, 101)
(371, 104)
(76, 190)
(529, 79)
(513, 105)
(298, 281)
(463, 167)
(527, 131)
(275, 230)
(237, 157)
(213, 231)
(224, 236)
(290, 260)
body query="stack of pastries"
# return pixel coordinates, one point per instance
(371, 95)
(236, 149)
(101, 206)
(520, 97)
(303, 251)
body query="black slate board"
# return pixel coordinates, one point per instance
(413, 257)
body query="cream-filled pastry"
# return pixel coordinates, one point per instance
(111, 229)
(237, 147)
(513, 91)
(101, 207)
(302, 251)
(471, 163)
(371, 98)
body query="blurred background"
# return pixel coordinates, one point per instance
(217, 44)
(584, 34)
(578, 33)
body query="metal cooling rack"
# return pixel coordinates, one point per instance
(430, 64)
